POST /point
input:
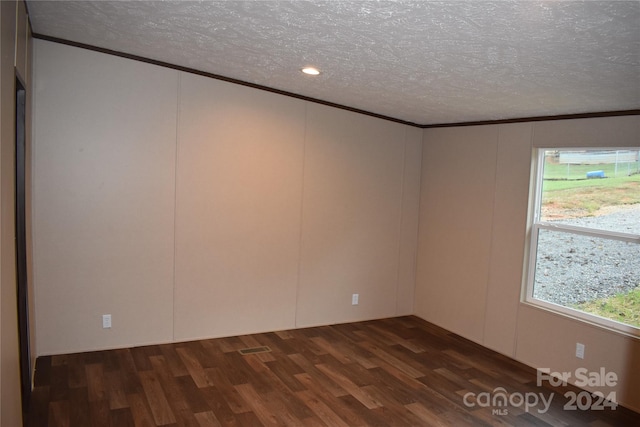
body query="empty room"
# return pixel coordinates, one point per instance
(320, 213)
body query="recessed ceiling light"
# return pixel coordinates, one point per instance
(311, 71)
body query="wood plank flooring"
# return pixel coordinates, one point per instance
(391, 372)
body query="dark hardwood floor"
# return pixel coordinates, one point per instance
(391, 372)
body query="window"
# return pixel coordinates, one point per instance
(584, 259)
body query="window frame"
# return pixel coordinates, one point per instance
(536, 224)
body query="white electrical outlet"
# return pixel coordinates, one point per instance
(579, 350)
(354, 299)
(106, 321)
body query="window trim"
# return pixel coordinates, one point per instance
(532, 248)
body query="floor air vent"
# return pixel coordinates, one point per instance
(254, 350)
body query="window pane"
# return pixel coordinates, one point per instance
(592, 188)
(590, 274)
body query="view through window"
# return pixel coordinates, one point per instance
(585, 253)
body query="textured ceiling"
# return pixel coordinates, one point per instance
(418, 61)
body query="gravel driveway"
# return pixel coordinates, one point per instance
(573, 269)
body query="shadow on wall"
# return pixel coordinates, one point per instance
(631, 388)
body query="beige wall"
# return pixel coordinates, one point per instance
(240, 160)
(104, 176)
(189, 207)
(473, 238)
(14, 58)
(358, 225)
(455, 227)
